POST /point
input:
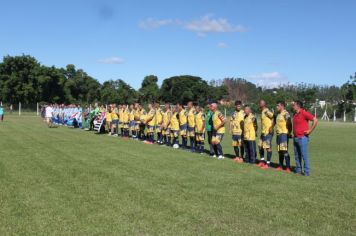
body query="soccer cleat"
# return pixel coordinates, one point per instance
(175, 146)
(214, 156)
(280, 168)
(221, 157)
(236, 158)
(265, 166)
(288, 170)
(240, 160)
(260, 164)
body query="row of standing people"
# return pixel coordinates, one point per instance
(179, 126)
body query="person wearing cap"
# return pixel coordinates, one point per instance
(236, 126)
(301, 133)
(218, 130)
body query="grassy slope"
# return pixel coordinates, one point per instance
(64, 181)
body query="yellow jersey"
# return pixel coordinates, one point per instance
(125, 116)
(132, 115)
(282, 122)
(218, 119)
(174, 121)
(183, 117)
(250, 126)
(108, 116)
(121, 111)
(200, 122)
(151, 117)
(236, 122)
(191, 118)
(159, 116)
(137, 115)
(114, 115)
(266, 121)
(143, 116)
(167, 118)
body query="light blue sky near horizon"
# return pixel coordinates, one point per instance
(266, 42)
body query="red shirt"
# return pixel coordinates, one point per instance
(301, 122)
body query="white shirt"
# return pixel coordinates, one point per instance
(49, 111)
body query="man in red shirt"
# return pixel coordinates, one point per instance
(301, 132)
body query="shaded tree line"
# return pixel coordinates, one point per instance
(24, 79)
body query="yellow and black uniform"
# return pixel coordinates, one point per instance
(137, 116)
(174, 125)
(121, 112)
(265, 142)
(142, 124)
(236, 126)
(191, 122)
(249, 132)
(183, 126)
(114, 118)
(183, 122)
(151, 121)
(200, 131)
(218, 132)
(166, 127)
(159, 120)
(283, 130)
(125, 116)
(108, 120)
(132, 121)
(266, 129)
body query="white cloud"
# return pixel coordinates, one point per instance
(112, 60)
(201, 26)
(269, 80)
(222, 45)
(151, 23)
(208, 24)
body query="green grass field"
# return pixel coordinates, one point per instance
(64, 181)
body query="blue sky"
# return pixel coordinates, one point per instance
(266, 42)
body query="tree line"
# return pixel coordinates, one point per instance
(24, 79)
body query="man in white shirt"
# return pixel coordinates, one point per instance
(49, 115)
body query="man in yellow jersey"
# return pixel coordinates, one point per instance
(183, 124)
(125, 121)
(283, 124)
(199, 130)
(174, 124)
(159, 121)
(218, 130)
(143, 116)
(108, 119)
(236, 127)
(250, 134)
(121, 125)
(191, 125)
(137, 114)
(132, 121)
(265, 143)
(166, 125)
(150, 122)
(115, 120)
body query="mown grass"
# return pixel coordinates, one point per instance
(69, 182)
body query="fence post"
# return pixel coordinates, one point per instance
(334, 115)
(19, 108)
(355, 115)
(344, 116)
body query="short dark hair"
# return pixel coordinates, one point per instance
(238, 102)
(299, 103)
(283, 103)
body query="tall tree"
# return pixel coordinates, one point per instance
(149, 90)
